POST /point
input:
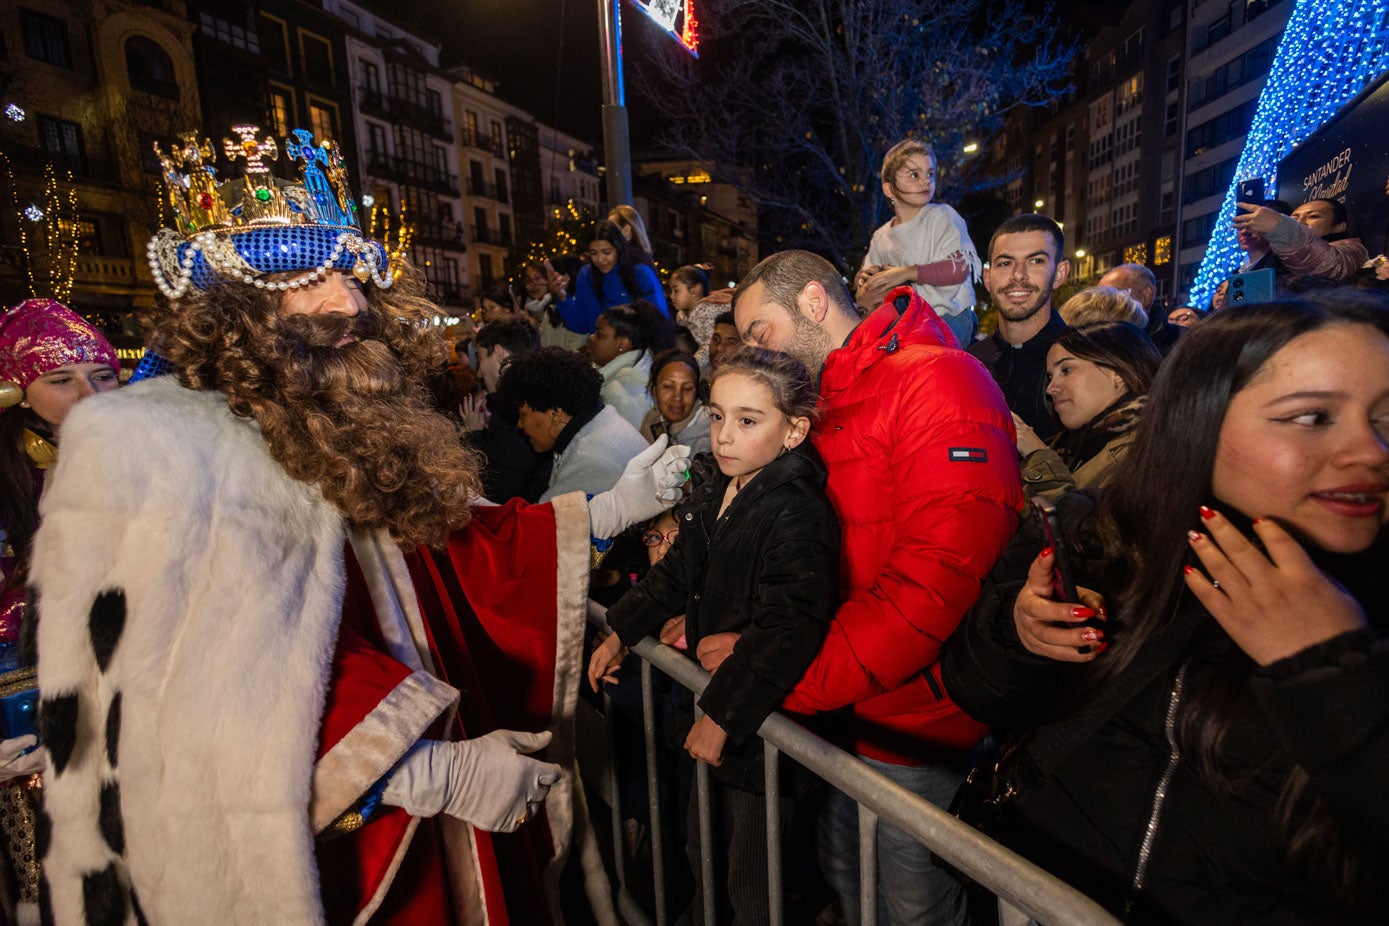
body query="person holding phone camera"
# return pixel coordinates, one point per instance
(1312, 242)
(1202, 736)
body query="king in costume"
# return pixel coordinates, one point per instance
(257, 603)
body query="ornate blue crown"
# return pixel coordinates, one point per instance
(245, 229)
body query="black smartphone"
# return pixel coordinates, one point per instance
(1063, 583)
(1255, 286)
(1250, 191)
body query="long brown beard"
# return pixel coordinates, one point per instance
(354, 420)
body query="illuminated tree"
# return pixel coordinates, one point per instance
(47, 232)
(567, 230)
(811, 93)
(1330, 51)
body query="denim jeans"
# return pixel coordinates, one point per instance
(911, 891)
(965, 325)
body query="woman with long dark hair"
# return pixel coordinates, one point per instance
(1204, 735)
(50, 359)
(616, 274)
(1098, 376)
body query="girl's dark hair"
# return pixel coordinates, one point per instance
(685, 340)
(642, 324)
(1153, 501)
(501, 294)
(552, 378)
(1119, 346)
(627, 259)
(692, 275)
(790, 383)
(666, 358)
(19, 510)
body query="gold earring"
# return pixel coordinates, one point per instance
(40, 451)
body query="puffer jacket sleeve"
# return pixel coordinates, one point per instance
(984, 667)
(953, 514)
(796, 589)
(1305, 252)
(1330, 706)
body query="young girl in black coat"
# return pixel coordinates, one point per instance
(757, 555)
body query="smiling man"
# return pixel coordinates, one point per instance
(1026, 262)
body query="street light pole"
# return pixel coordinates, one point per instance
(616, 142)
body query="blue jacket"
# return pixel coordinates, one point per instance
(581, 310)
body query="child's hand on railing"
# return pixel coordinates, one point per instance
(706, 741)
(602, 666)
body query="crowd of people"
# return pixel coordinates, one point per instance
(1108, 580)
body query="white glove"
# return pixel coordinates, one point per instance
(487, 781)
(14, 765)
(649, 485)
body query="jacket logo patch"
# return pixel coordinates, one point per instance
(968, 455)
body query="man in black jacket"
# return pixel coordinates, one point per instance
(514, 469)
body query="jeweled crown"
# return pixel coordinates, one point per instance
(259, 229)
(318, 196)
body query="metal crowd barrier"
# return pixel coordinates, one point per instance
(1019, 884)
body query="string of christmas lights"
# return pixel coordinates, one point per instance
(1330, 51)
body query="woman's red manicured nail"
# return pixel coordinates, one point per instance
(1193, 536)
(1091, 636)
(1188, 570)
(1045, 552)
(1258, 520)
(1082, 612)
(1206, 513)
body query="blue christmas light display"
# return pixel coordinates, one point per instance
(1331, 50)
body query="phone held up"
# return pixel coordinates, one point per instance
(1250, 191)
(1063, 583)
(1254, 286)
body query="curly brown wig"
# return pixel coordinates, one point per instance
(353, 420)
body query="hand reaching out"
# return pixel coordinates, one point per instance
(474, 412)
(602, 665)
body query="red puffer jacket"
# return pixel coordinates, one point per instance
(923, 473)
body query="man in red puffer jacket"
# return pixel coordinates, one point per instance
(923, 474)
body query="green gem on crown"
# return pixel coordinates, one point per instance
(263, 194)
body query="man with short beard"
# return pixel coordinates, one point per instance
(923, 476)
(1026, 262)
(259, 603)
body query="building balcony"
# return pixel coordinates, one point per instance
(493, 191)
(95, 270)
(472, 139)
(414, 173)
(405, 112)
(481, 234)
(448, 236)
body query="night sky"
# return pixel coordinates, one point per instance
(555, 74)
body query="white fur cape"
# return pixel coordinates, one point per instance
(189, 596)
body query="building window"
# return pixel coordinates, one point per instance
(45, 38)
(436, 103)
(441, 161)
(1162, 251)
(504, 225)
(233, 34)
(371, 78)
(501, 186)
(317, 57)
(470, 128)
(485, 273)
(481, 233)
(376, 142)
(498, 142)
(476, 185)
(1172, 119)
(149, 68)
(282, 114)
(1174, 73)
(323, 120)
(62, 140)
(276, 43)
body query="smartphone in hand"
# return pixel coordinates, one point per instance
(1250, 191)
(1063, 583)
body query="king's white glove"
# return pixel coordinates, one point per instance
(486, 781)
(649, 484)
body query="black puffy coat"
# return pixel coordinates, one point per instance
(768, 569)
(1214, 852)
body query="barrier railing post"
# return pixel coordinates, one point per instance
(1022, 887)
(619, 862)
(772, 787)
(653, 793)
(706, 837)
(868, 865)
